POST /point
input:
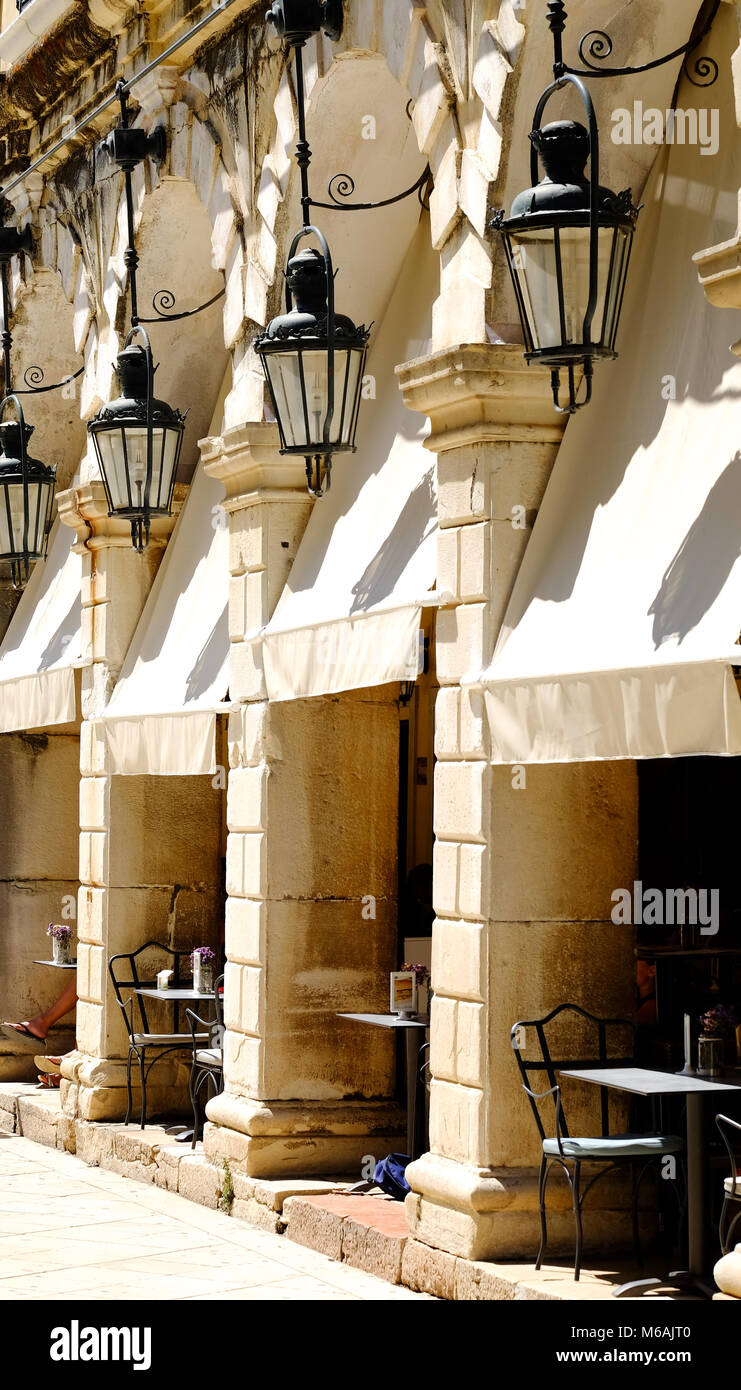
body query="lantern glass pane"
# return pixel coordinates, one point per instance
(111, 457)
(556, 307)
(615, 288)
(122, 453)
(299, 383)
(347, 385)
(40, 497)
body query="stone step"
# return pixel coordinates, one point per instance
(369, 1232)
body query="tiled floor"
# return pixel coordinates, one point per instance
(71, 1232)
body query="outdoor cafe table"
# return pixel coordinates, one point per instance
(640, 1081)
(415, 1030)
(174, 996)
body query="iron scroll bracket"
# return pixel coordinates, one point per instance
(596, 46)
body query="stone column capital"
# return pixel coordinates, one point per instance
(85, 509)
(719, 273)
(247, 460)
(481, 393)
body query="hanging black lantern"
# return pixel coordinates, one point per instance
(26, 498)
(314, 361)
(137, 439)
(26, 485)
(568, 243)
(137, 442)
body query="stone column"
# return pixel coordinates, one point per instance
(525, 859)
(115, 584)
(311, 869)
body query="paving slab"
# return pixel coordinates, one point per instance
(140, 1241)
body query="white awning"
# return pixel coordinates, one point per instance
(161, 717)
(350, 613)
(621, 631)
(43, 642)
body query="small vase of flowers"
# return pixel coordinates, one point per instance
(61, 937)
(202, 961)
(716, 1045)
(422, 977)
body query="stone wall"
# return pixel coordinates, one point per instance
(39, 777)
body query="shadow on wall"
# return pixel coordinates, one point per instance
(67, 630)
(699, 570)
(209, 661)
(380, 577)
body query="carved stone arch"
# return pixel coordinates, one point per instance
(42, 324)
(81, 236)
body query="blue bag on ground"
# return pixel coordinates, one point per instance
(389, 1175)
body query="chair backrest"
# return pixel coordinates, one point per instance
(214, 1027)
(125, 972)
(531, 1036)
(730, 1133)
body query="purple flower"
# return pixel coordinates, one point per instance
(720, 1021)
(59, 933)
(207, 956)
(421, 972)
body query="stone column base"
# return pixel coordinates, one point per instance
(728, 1274)
(492, 1214)
(94, 1088)
(274, 1139)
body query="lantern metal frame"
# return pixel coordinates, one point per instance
(325, 332)
(603, 210)
(295, 22)
(117, 417)
(30, 472)
(128, 146)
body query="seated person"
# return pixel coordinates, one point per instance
(27, 1035)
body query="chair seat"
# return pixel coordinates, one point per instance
(615, 1146)
(728, 1184)
(167, 1039)
(209, 1057)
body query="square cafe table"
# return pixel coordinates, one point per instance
(415, 1029)
(174, 996)
(640, 1081)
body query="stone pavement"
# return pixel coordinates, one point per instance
(70, 1232)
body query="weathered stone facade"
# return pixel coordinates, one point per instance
(521, 883)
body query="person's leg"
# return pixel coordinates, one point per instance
(40, 1025)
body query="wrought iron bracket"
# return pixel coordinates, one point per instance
(164, 300)
(596, 46)
(34, 375)
(340, 186)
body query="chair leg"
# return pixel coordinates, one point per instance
(729, 1232)
(143, 1088)
(634, 1208)
(543, 1219)
(129, 1094)
(577, 1218)
(196, 1113)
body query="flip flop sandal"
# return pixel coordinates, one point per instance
(24, 1039)
(48, 1081)
(49, 1068)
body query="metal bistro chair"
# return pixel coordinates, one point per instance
(134, 1009)
(208, 1061)
(640, 1151)
(729, 1131)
